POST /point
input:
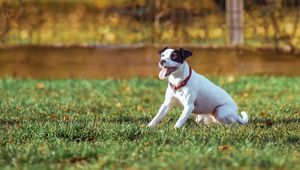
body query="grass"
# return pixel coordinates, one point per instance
(101, 124)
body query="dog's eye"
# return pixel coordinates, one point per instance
(173, 56)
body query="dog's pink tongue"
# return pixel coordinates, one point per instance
(163, 73)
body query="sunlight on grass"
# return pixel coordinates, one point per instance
(102, 124)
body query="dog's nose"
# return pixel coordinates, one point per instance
(162, 62)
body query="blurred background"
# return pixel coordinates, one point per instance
(120, 38)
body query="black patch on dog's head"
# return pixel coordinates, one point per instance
(179, 55)
(162, 50)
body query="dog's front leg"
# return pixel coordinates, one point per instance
(163, 110)
(187, 110)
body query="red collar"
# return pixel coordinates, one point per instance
(183, 83)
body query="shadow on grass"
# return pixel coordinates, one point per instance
(117, 119)
(126, 119)
(133, 119)
(10, 122)
(268, 122)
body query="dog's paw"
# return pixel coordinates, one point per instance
(150, 125)
(177, 126)
(199, 119)
(205, 119)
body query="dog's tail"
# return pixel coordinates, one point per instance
(244, 119)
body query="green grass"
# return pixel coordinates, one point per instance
(96, 124)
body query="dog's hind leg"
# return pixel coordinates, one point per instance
(226, 114)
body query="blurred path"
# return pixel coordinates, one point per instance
(125, 62)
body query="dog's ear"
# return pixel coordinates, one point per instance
(162, 50)
(186, 53)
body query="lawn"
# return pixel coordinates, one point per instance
(97, 124)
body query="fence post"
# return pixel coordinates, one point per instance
(235, 22)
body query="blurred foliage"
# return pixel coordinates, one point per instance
(267, 22)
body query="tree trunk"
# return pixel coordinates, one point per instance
(235, 22)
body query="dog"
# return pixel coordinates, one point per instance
(194, 92)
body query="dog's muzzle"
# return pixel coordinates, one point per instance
(166, 71)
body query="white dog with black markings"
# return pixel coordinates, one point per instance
(194, 92)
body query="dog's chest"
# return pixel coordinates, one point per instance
(181, 95)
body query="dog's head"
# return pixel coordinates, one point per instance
(171, 60)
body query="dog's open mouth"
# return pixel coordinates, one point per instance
(166, 71)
